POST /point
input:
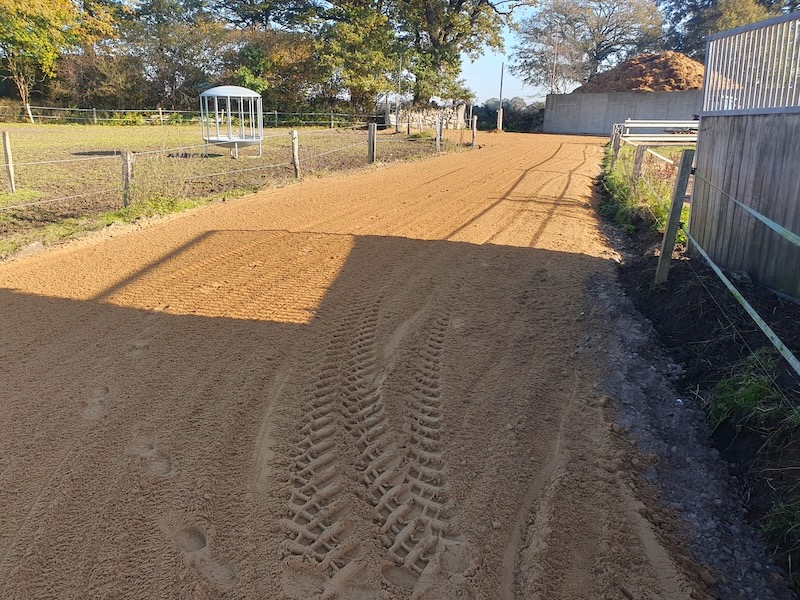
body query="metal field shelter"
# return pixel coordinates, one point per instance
(232, 116)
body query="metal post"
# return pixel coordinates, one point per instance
(474, 130)
(397, 108)
(295, 154)
(127, 176)
(372, 135)
(94, 115)
(9, 162)
(673, 221)
(500, 110)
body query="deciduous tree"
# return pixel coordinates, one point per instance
(567, 42)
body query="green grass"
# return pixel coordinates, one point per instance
(644, 201)
(83, 172)
(781, 527)
(748, 396)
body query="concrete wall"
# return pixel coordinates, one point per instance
(595, 113)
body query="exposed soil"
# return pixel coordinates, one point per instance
(663, 72)
(394, 384)
(706, 331)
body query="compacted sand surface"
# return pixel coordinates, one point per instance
(356, 387)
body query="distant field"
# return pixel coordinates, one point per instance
(69, 172)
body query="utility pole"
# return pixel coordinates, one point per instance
(500, 109)
(397, 107)
(555, 62)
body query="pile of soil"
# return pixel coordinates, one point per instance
(662, 72)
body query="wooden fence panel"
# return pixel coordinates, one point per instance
(753, 158)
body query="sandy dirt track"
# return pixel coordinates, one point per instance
(359, 387)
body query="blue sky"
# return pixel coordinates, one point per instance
(483, 76)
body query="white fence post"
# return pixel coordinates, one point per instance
(673, 221)
(127, 176)
(439, 134)
(94, 115)
(372, 135)
(30, 114)
(296, 154)
(474, 130)
(9, 162)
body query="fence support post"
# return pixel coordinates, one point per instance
(9, 162)
(160, 116)
(439, 134)
(409, 123)
(474, 130)
(331, 119)
(616, 140)
(673, 221)
(94, 116)
(30, 114)
(638, 159)
(296, 154)
(372, 135)
(275, 113)
(127, 176)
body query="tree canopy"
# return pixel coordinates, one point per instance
(567, 42)
(295, 52)
(34, 33)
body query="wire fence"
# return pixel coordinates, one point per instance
(646, 179)
(77, 176)
(641, 180)
(122, 116)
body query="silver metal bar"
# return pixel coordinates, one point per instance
(216, 116)
(230, 120)
(760, 25)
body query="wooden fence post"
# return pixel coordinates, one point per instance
(275, 112)
(438, 134)
(409, 123)
(474, 130)
(127, 176)
(638, 159)
(331, 119)
(372, 137)
(94, 116)
(160, 116)
(30, 114)
(616, 140)
(296, 154)
(673, 221)
(9, 162)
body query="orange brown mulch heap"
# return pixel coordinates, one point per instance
(662, 72)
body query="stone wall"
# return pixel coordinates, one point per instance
(426, 118)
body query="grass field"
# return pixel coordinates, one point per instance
(69, 177)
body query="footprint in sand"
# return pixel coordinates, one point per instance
(138, 348)
(95, 404)
(156, 462)
(216, 569)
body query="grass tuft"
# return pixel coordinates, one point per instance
(748, 396)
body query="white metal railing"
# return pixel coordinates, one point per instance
(754, 69)
(654, 132)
